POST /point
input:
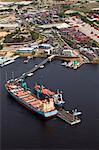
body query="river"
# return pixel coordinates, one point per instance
(22, 129)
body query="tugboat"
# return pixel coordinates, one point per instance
(27, 60)
(42, 92)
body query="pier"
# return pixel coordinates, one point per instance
(68, 117)
(49, 59)
(36, 67)
(42, 63)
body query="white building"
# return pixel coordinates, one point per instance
(67, 52)
(27, 49)
(9, 25)
(57, 25)
(46, 47)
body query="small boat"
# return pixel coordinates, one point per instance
(27, 60)
(75, 67)
(69, 64)
(29, 74)
(36, 65)
(42, 66)
(64, 64)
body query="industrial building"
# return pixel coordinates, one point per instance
(25, 50)
(46, 47)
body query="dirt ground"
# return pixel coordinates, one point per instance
(3, 33)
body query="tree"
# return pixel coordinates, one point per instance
(33, 52)
(2, 28)
(1, 46)
(34, 35)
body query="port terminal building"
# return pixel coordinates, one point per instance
(41, 47)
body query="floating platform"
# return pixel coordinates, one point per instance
(68, 117)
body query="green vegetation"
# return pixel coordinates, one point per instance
(16, 37)
(73, 14)
(85, 6)
(33, 53)
(70, 43)
(62, 14)
(63, 9)
(84, 18)
(1, 46)
(20, 6)
(97, 22)
(10, 39)
(95, 44)
(34, 35)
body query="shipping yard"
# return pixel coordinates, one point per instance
(58, 29)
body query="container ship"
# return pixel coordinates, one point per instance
(43, 92)
(22, 94)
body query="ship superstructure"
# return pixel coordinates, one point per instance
(41, 91)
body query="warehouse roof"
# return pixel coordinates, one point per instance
(57, 25)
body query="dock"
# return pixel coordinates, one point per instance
(36, 67)
(48, 59)
(68, 117)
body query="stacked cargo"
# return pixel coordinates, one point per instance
(44, 90)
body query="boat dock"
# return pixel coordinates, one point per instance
(68, 117)
(36, 67)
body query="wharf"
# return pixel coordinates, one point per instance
(68, 117)
(36, 67)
